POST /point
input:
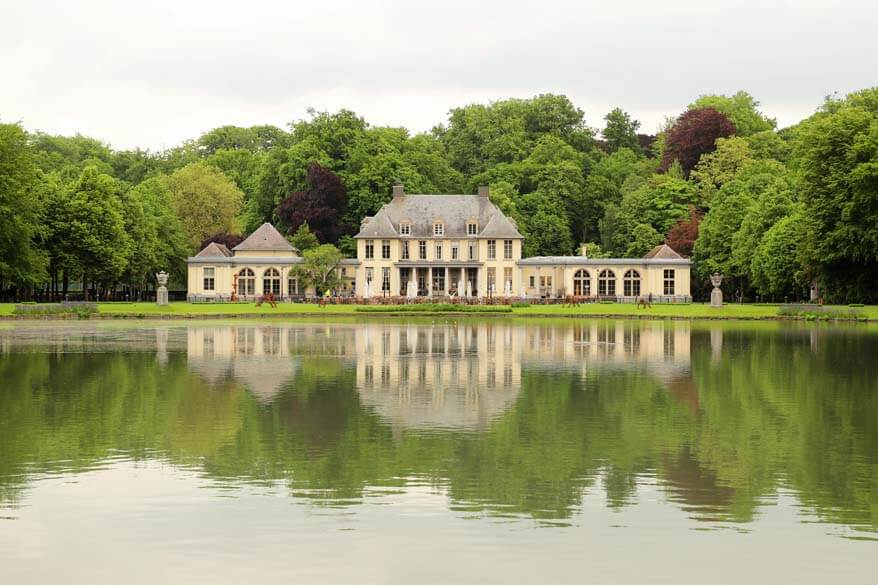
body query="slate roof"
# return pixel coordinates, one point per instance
(663, 252)
(214, 250)
(452, 210)
(266, 237)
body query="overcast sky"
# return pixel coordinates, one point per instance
(152, 74)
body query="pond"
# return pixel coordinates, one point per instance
(438, 451)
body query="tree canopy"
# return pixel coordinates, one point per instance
(723, 181)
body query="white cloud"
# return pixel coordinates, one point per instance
(153, 74)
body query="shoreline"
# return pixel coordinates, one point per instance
(132, 316)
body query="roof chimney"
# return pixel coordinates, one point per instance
(398, 190)
(484, 191)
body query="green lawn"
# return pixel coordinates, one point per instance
(694, 311)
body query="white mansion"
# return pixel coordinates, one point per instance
(441, 246)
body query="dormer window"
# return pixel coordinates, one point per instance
(438, 229)
(405, 228)
(472, 228)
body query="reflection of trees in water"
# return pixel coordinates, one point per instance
(778, 410)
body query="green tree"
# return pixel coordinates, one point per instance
(96, 236)
(741, 108)
(594, 250)
(478, 137)
(68, 155)
(281, 172)
(767, 207)
(769, 144)
(21, 206)
(304, 239)
(661, 202)
(205, 200)
(158, 241)
(504, 195)
(837, 160)
(775, 266)
(644, 238)
(621, 131)
(253, 139)
(716, 168)
(713, 248)
(321, 267)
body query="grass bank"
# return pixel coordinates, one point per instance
(184, 310)
(442, 308)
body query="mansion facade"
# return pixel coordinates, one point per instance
(440, 246)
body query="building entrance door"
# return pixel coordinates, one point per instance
(472, 280)
(438, 281)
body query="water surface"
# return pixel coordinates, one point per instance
(446, 451)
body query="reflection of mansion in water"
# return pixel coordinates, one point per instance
(452, 375)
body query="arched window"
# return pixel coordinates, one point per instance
(631, 284)
(246, 282)
(581, 283)
(271, 282)
(607, 283)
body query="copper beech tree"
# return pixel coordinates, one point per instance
(322, 205)
(682, 235)
(693, 135)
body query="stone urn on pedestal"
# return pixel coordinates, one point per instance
(716, 295)
(161, 295)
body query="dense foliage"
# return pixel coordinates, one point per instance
(776, 211)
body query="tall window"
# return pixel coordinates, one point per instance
(669, 282)
(438, 229)
(492, 280)
(507, 280)
(472, 251)
(405, 250)
(292, 285)
(209, 279)
(472, 228)
(438, 281)
(246, 282)
(492, 249)
(385, 249)
(507, 249)
(385, 280)
(607, 283)
(405, 229)
(533, 281)
(370, 249)
(455, 252)
(631, 284)
(581, 283)
(439, 251)
(369, 275)
(271, 282)
(422, 250)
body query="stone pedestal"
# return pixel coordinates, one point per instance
(161, 295)
(716, 295)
